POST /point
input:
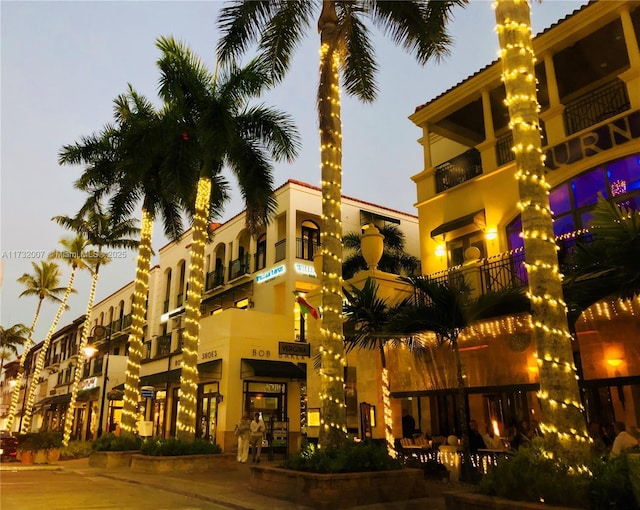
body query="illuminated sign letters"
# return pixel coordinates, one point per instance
(271, 274)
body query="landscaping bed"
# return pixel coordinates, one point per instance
(183, 463)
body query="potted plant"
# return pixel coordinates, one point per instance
(40, 447)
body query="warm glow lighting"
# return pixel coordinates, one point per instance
(491, 234)
(89, 351)
(614, 362)
(440, 250)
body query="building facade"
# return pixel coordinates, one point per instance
(589, 93)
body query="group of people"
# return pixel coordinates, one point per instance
(611, 440)
(250, 433)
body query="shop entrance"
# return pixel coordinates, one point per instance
(268, 399)
(207, 418)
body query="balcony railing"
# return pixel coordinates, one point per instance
(462, 168)
(239, 267)
(215, 278)
(306, 248)
(126, 320)
(596, 106)
(281, 250)
(163, 346)
(504, 154)
(260, 260)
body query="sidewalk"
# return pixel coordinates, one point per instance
(229, 489)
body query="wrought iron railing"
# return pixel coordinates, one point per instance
(596, 106)
(163, 346)
(215, 278)
(462, 168)
(504, 154)
(306, 248)
(239, 267)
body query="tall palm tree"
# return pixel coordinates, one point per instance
(10, 339)
(44, 283)
(223, 130)
(366, 327)
(73, 253)
(448, 310)
(394, 257)
(102, 232)
(564, 424)
(144, 145)
(346, 52)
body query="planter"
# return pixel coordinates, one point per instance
(338, 490)
(109, 460)
(473, 501)
(53, 455)
(25, 456)
(40, 457)
(184, 463)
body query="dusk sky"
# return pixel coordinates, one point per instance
(64, 62)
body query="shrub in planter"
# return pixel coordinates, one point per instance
(531, 476)
(611, 485)
(112, 443)
(350, 458)
(43, 440)
(76, 450)
(173, 447)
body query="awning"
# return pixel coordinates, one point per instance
(268, 368)
(208, 370)
(476, 217)
(87, 395)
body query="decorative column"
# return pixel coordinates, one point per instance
(553, 117)
(631, 77)
(488, 147)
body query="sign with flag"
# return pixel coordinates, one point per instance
(305, 306)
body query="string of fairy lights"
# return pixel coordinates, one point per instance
(31, 399)
(77, 374)
(141, 287)
(388, 416)
(188, 392)
(518, 61)
(331, 349)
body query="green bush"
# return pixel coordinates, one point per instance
(531, 476)
(171, 447)
(112, 443)
(76, 450)
(42, 440)
(611, 485)
(350, 458)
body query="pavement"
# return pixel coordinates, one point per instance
(228, 489)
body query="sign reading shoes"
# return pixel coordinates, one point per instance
(271, 274)
(294, 349)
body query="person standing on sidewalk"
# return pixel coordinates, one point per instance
(243, 431)
(257, 434)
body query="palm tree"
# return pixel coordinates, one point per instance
(44, 283)
(137, 171)
(565, 427)
(10, 339)
(366, 327)
(101, 231)
(221, 129)
(448, 310)
(73, 253)
(394, 258)
(346, 52)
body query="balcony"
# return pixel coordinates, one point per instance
(460, 169)
(594, 107)
(127, 320)
(306, 248)
(215, 278)
(260, 260)
(239, 267)
(163, 346)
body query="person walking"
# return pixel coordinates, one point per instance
(243, 432)
(257, 435)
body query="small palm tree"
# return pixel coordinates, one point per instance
(10, 339)
(366, 327)
(347, 55)
(44, 283)
(221, 129)
(394, 257)
(73, 253)
(101, 232)
(447, 310)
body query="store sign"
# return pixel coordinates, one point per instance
(147, 392)
(594, 142)
(294, 349)
(271, 274)
(305, 269)
(88, 383)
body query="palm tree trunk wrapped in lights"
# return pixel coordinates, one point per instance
(564, 424)
(78, 370)
(132, 377)
(188, 393)
(333, 415)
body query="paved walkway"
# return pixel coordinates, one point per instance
(228, 489)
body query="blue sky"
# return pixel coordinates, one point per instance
(62, 63)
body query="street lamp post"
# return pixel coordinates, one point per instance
(97, 333)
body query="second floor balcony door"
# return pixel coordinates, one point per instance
(310, 240)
